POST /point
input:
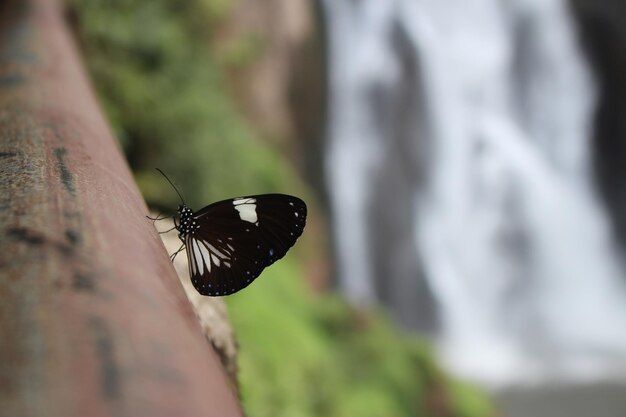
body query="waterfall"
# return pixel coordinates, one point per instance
(464, 127)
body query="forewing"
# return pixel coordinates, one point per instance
(238, 238)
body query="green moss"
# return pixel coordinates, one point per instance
(311, 355)
(469, 401)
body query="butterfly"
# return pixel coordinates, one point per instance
(229, 243)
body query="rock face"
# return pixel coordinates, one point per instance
(266, 41)
(603, 33)
(278, 74)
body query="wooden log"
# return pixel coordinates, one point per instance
(93, 321)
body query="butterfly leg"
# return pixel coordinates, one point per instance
(168, 230)
(158, 217)
(182, 247)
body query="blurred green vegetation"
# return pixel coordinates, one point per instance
(305, 355)
(163, 85)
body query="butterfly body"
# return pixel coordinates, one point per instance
(187, 224)
(230, 242)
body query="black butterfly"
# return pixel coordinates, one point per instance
(230, 242)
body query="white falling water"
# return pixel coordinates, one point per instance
(514, 243)
(360, 57)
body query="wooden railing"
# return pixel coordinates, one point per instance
(93, 320)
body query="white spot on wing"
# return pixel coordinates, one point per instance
(215, 259)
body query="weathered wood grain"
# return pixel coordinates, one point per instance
(93, 321)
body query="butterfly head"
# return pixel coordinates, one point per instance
(188, 224)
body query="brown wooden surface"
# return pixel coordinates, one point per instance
(93, 321)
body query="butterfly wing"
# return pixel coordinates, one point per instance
(240, 237)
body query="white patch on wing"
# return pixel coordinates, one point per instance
(247, 209)
(197, 255)
(192, 266)
(215, 260)
(238, 201)
(214, 251)
(205, 255)
(190, 257)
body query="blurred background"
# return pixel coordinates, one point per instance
(463, 164)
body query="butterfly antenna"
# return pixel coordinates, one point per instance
(172, 184)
